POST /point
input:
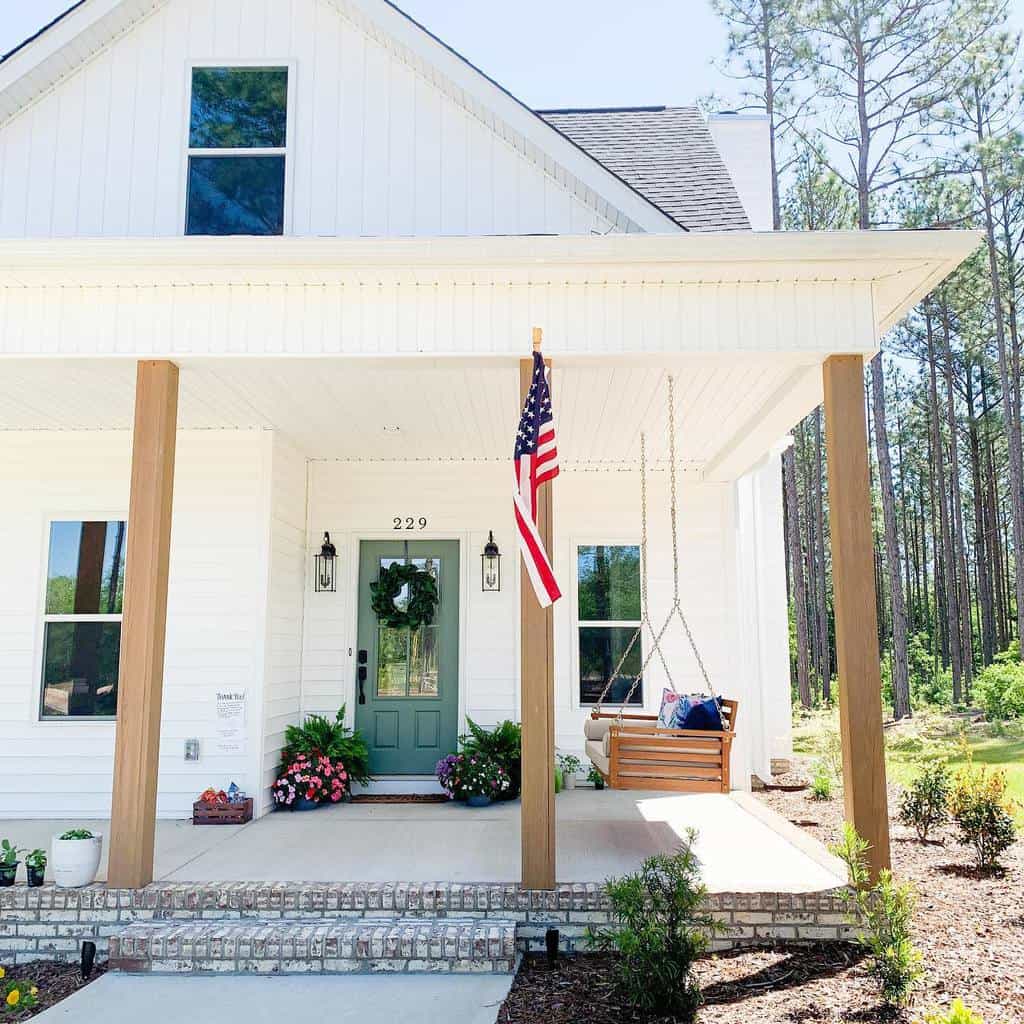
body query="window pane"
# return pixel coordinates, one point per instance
(80, 668)
(392, 661)
(238, 107)
(423, 662)
(235, 195)
(85, 574)
(601, 648)
(609, 582)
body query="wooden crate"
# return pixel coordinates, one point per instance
(222, 814)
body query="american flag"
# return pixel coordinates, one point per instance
(536, 462)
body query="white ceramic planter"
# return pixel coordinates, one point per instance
(568, 780)
(75, 861)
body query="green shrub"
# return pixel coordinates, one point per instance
(956, 1014)
(923, 806)
(982, 812)
(503, 743)
(661, 929)
(883, 911)
(821, 784)
(320, 735)
(1000, 690)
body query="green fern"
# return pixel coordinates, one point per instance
(319, 735)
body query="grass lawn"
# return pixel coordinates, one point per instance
(815, 735)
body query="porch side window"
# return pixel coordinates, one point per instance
(608, 598)
(236, 158)
(82, 620)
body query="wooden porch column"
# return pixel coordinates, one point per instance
(537, 686)
(141, 672)
(853, 573)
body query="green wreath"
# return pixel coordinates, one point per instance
(422, 596)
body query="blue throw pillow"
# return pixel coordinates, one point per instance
(698, 713)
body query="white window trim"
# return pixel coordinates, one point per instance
(43, 617)
(575, 544)
(287, 151)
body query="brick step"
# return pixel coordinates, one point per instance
(363, 945)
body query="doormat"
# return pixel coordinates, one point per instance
(400, 798)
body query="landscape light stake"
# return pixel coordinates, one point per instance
(551, 942)
(88, 958)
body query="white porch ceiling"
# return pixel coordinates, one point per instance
(729, 411)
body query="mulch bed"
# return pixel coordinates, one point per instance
(969, 928)
(55, 981)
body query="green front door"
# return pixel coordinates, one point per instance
(407, 701)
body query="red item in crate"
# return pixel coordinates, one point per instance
(222, 813)
(213, 796)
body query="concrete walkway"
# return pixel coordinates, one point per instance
(744, 845)
(353, 999)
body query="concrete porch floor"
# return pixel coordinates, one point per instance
(744, 845)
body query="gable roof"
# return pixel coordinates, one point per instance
(41, 62)
(666, 153)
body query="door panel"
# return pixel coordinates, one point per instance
(410, 697)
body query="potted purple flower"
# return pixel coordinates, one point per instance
(475, 778)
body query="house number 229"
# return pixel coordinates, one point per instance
(409, 523)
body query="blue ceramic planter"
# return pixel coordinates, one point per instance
(302, 804)
(479, 800)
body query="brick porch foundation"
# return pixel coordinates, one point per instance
(51, 923)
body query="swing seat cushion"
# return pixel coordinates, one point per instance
(697, 713)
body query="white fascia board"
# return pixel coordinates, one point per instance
(41, 62)
(903, 265)
(458, 70)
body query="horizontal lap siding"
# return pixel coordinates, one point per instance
(63, 769)
(450, 312)
(467, 500)
(376, 148)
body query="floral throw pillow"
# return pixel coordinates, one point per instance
(667, 714)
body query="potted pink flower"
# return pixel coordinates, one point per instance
(309, 781)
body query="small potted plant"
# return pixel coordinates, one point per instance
(76, 857)
(595, 777)
(8, 862)
(570, 765)
(35, 866)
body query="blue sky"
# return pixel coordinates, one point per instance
(549, 53)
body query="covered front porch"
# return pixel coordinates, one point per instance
(599, 834)
(256, 396)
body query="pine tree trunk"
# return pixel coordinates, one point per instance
(982, 541)
(803, 680)
(948, 561)
(894, 572)
(956, 521)
(1009, 373)
(825, 654)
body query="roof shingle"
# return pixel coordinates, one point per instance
(667, 154)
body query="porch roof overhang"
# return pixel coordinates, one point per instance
(408, 349)
(899, 266)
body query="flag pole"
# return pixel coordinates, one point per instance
(536, 693)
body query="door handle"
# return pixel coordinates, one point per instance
(362, 682)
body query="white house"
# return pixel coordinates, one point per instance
(319, 238)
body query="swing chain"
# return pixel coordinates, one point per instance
(677, 608)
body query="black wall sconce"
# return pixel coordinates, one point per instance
(490, 566)
(324, 577)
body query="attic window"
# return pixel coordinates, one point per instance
(237, 147)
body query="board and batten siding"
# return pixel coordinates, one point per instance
(464, 501)
(286, 554)
(216, 603)
(374, 146)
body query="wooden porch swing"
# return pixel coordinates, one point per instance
(632, 751)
